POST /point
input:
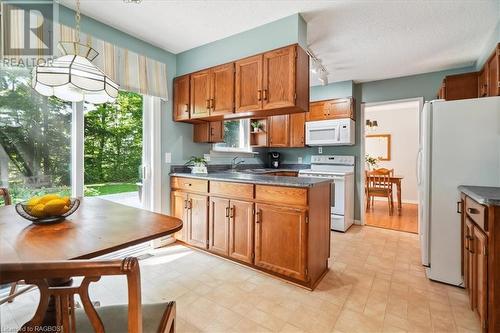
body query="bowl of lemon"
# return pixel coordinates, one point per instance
(46, 209)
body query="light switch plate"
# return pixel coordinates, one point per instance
(320, 150)
(168, 157)
(299, 160)
(206, 157)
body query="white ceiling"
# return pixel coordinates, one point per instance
(356, 40)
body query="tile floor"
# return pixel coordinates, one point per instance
(375, 284)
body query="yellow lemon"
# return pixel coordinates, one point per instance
(38, 210)
(47, 197)
(64, 210)
(54, 207)
(68, 201)
(32, 203)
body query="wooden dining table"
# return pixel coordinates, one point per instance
(98, 227)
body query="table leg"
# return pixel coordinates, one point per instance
(50, 319)
(398, 188)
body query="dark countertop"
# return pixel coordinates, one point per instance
(484, 195)
(253, 178)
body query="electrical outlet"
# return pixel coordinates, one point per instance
(320, 150)
(168, 158)
(299, 160)
(206, 157)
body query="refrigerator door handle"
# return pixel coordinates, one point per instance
(419, 167)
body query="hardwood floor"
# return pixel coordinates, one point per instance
(407, 220)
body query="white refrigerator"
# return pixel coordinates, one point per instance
(459, 145)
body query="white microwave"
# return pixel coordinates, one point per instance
(335, 132)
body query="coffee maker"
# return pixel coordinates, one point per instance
(274, 159)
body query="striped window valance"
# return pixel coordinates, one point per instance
(132, 71)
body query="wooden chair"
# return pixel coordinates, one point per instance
(383, 171)
(378, 185)
(4, 193)
(117, 318)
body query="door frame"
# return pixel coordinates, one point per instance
(362, 196)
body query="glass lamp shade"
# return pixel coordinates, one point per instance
(74, 78)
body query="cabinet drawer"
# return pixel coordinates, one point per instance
(278, 194)
(189, 184)
(234, 190)
(476, 212)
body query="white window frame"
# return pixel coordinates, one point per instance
(244, 137)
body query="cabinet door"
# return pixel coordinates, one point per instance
(278, 131)
(178, 208)
(297, 129)
(481, 275)
(280, 240)
(241, 233)
(468, 261)
(181, 98)
(249, 84)
(216, 131)
(482, 82)
(222, 90)
(200, 94)
(340, 108)
(493, 79)
(197, 232)
(279, 78)
(218, 227)
(317, 111)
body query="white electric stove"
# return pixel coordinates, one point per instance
(340, 169)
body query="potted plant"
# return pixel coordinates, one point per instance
(371, 162)
(257, 126)
(197, 164)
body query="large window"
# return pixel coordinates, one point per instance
(236, 136)
(35, 138)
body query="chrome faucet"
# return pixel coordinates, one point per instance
(235, 164)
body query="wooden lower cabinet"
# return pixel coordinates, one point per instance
(241, 230)
(265, 227)
(280, 240)
(480, 265)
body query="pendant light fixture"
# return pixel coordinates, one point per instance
(73, 77)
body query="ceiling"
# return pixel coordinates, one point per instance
(356, 40)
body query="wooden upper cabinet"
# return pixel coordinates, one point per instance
(248, 84)
(222, 90)
(241, 230)
(341, 108)
(482, 82)
(280, 240)
(493, 73)
(218, 227)
(208, 132)
(197, 233)
(200, 94)
(331, 109)
(279, 78)
(461, 86)
(278, 131)
(297, 129)
(181, 98)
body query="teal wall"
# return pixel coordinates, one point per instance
(333, 90)
(289, 30)
(490, 46)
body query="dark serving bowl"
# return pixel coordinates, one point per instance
(22, 209)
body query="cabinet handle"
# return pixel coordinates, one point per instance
(264, 94)
(208, 104)
(231, 212)
(187, 107)
(258, 216)
(472, 211)
(212, 102)
(190, 204)
(211, 131)
(259, 95)
(459, 205)
(227, 211)
(185, 204)
(471, 247)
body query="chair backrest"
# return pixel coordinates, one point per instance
(40, 274)
(383, 171)
(376, 181)
(4, 193)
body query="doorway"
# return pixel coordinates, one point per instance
(390, 142)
